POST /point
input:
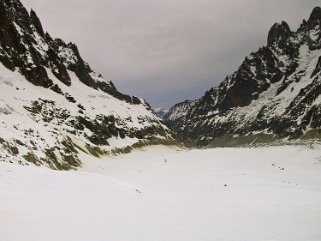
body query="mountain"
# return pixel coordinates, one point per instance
(177, 114)
(54, 107)
(274, 94)
(160, 111)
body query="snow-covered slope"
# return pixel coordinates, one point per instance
(160, 111)
(222, 194)
(275, 93)
(52, 104)
(177, 115)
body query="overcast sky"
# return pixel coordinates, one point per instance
(167, 51)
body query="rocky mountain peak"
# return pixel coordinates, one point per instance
(24, 45)
(274, 94)
(53, 105)
(13, 10)
(36, 22)
(278, 33)
(315, 18)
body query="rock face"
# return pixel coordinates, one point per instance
(274, 94)
(176, 116)
(53, 105)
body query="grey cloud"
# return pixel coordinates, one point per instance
(167, 50)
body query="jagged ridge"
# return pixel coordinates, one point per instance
(53, 104)
(275, 92)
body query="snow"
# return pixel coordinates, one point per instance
(41, 44)
(278, 103)
(17, 123)
(314, 33)
(68, 55)
(98, 102)
(160, 111)
(157, 109)
(18, 28)
(307, 63)
(161, 193)
(317, 101)
(180, 110)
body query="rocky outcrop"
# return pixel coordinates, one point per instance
(279, 34)
(275, 92)
(53, 106)
(25, 45)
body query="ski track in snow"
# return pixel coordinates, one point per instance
(168, 194)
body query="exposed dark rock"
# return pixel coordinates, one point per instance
(18, 39)
(315, 18)
(273, 92)
(36, 22)
(317, 69)
(278, 34)
(38, 76)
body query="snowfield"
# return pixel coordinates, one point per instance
(168, 194)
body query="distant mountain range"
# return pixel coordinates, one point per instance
(160, 111)
(54, 106)
(274, 94)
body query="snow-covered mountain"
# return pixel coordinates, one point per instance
(177, 114)
(53, 105)
(274, 94)
(160, 111)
